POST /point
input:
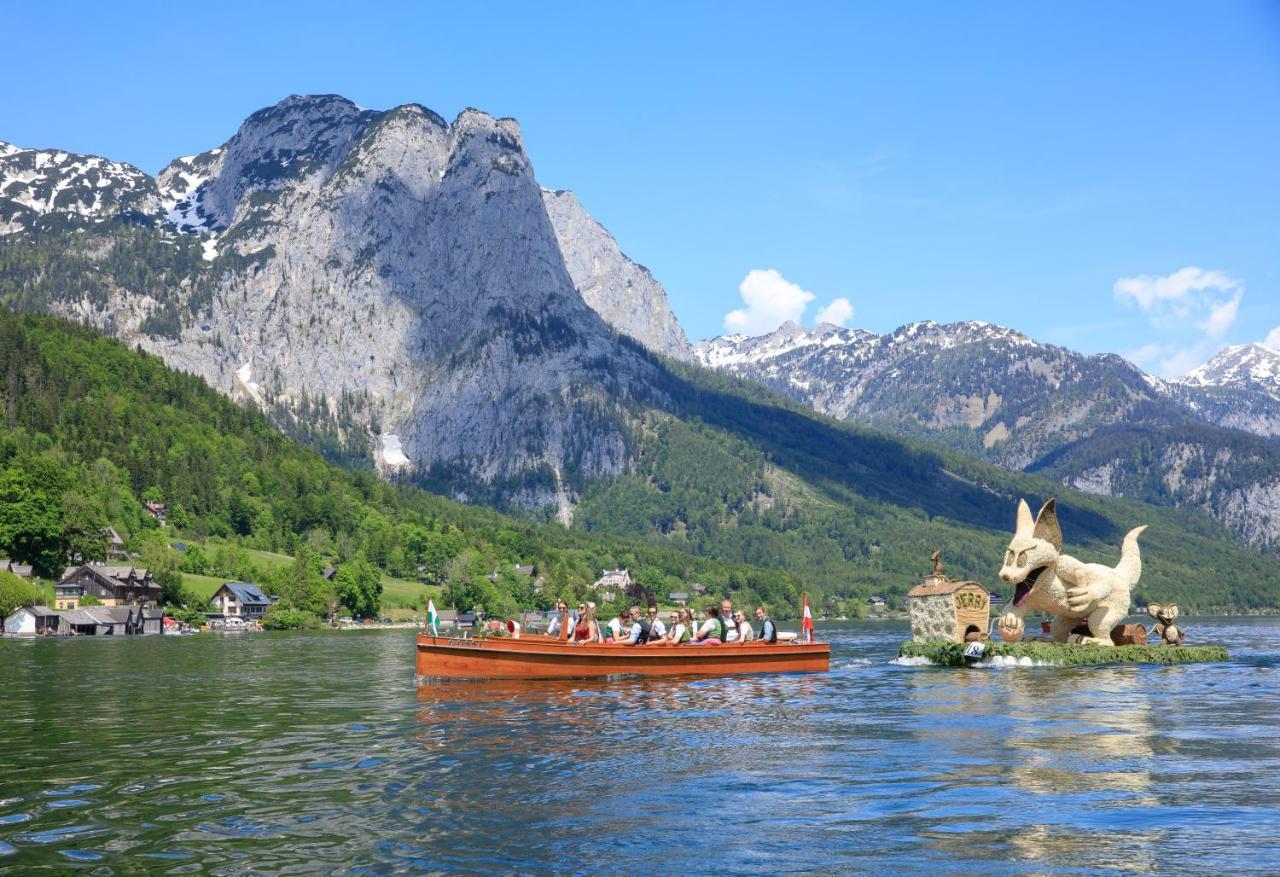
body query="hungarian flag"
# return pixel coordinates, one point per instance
(433, 618)
(806, 620)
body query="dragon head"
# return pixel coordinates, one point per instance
(1033, 551)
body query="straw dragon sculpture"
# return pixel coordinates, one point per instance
(1072, 592)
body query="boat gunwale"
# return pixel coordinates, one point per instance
(548, 646)
(541, 657)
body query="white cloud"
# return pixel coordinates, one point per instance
(1185, 287)
(1222, 316)
(771, 300)
(1192, 307)
(1273, 339)
(838, 313)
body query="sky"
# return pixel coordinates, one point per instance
(1102, 176)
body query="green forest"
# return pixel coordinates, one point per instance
(746, 495)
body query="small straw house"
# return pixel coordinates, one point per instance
(944, 610)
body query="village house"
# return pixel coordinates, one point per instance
(613, 580)
(110, 585)
(155, 509)
(241, 600)
(21, 570)
(31, 621)
(878, 602)
(115, 545)
(680, 598)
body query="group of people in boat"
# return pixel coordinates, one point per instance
(721, 624)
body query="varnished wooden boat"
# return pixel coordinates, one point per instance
(541, 657)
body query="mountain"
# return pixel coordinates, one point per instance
(89, 428)
(1001, 396)
(624, 293)
(40, 185)
(392, 285)
(1244, 366)
(392, 274)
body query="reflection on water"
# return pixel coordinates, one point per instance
(312, 753)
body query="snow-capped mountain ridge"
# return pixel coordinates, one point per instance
(38, 183)
(1252, 366)
(402, 268)
(994, 392)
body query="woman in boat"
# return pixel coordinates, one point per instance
(712, 631)
(587, 631)
(680, 630)
(683, 626)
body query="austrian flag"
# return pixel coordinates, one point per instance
(806, 621)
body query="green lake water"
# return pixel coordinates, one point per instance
(316, 753)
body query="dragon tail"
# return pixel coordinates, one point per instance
(1130, 565)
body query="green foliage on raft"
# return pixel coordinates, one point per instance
(1067, 654)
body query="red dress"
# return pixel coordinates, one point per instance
(582, 631)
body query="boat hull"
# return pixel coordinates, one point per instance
(540, 657)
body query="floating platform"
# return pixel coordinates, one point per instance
(541, 657)
(1064, 654)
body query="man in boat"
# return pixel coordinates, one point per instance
(639, 632)
(768, 630)
(726, 615)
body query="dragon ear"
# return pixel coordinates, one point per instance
(1154, 610)
(1024, 525)
(1172, 609)
(1047, 525)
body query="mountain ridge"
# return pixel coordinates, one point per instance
(997, 394)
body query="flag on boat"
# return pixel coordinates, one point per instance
(433, 617)
(806, 621)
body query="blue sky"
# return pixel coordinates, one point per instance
(1102, 176)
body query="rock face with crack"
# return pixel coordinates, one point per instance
(406, 270)
(624, 293)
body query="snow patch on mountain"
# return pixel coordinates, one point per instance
(1251, 366)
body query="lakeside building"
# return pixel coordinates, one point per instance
(241, 600)
(90, 621)
(110, 585)
(112, 621)
(155, 509)
(32, 621)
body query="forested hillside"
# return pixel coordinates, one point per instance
(745, 494)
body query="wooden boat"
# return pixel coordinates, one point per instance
(542, 657)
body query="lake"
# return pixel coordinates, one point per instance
(314, 753)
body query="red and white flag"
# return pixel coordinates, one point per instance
(806, 620)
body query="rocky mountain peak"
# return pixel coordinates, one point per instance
(621, 291)
(39, 183)
(1245, 366)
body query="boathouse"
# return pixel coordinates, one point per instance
(31, 621)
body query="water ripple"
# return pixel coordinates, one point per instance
(312, 753)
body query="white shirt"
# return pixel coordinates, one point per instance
(745, 633)
(657, 629)
(731, 632)
(708, 627)
(615, 627)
